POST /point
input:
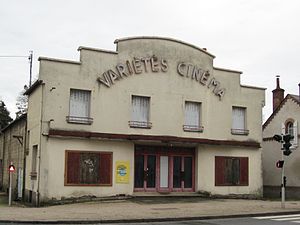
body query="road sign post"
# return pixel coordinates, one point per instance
(282, 185)
(11, 169)
(285, 140)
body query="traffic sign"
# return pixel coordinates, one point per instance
(11, 168)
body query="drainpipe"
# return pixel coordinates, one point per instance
(40, 147)
(24, 160)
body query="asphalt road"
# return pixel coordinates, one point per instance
(267, 220)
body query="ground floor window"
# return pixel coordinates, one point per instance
(231, 171)
(88, 168)
(164, 169)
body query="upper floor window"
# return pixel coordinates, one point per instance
(140, 112)
(291, 127)
(192, 117)
(239, 121)
(80, 101)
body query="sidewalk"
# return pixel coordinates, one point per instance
(145, 209)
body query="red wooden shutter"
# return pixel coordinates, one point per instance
(73, 165)
(105, 168)
(219, 170)
(244, 171)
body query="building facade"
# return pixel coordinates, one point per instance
(283, 120)
(153, 116)
(13, 150)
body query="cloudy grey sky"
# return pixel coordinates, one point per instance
(260, 38)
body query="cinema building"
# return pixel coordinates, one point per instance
(154, 116)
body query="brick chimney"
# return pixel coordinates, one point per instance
(278, 94)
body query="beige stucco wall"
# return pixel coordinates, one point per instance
(272, 152)
(206, 170)
(111, 111)
(167, 90)
(34, 133)
(53, 167)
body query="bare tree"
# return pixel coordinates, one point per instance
(22, 103)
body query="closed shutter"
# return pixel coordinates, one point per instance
(238, 118)
(219, 170)
(80, 103)
(140, 108)
(106, 168)
(244, 171)
(192, 114)
(72, 167)
(88, 168)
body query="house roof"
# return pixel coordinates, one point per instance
(33, 87)
(294, 98)
(22, 117)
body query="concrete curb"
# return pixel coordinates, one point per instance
(118, 221)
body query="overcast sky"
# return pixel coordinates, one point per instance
(260, 38)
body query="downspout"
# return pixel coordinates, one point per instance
(40, 147)
(24, 160)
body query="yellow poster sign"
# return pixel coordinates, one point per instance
(122, 172)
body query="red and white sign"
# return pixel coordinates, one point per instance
(11, 168)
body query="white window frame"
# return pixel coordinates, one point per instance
(192, 116)
(140, 112)
(239, 121)
(292, 131)
(82, 117)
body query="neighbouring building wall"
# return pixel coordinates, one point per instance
(12, 145)
(272, 153)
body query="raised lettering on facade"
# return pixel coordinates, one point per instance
(135, 66)
(154, 65)
(201, 76)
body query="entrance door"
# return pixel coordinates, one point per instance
(150, 171)
(182, 173)
(164, 169)
(145, 172)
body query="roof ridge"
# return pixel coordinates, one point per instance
(288, 96)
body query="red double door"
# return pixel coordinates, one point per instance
(164, 169)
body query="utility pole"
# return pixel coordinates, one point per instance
(282, 183)
(30, 67)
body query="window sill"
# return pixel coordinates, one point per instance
(88, 185)
(231, 185)
(79, 120)
(140, 124)
(189, 128)
(239, 132)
